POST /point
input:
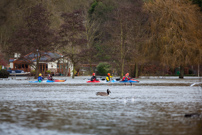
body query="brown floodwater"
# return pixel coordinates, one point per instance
(50, 109)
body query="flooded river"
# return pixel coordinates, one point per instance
(61, 108)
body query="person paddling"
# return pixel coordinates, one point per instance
(93, 78)
(126, 77)
(108, 78)
(40, 78)
(50, 77)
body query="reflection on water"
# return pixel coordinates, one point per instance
(62, 109)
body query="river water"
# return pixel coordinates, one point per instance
(148, 108)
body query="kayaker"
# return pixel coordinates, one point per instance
(93, 78)
(126, 77)
(50, 77)
(40, 78)
(108, 78)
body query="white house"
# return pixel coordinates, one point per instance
(53, 62)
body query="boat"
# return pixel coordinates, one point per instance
(37, 82)
(94, 81)
(112, 81)
(59, 80)
(130, 81)
(47, 81)
(125, 81)
(56, 80)
(18, 73)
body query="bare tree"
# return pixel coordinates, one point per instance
(137, 34)
(173, 32)
(71, 33)
(92, 35)
(36, 36)
(2, 60)
(122, 28)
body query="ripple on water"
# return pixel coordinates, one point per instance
(77, 110)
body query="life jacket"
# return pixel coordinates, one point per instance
(108, 78)
(93, 78)
(40, 78)
(50, 78)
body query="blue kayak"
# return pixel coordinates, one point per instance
(125, 81)
(45, 81)
(48, 81)
(112, 81)
(129, 81)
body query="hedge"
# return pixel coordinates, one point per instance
(4, 73)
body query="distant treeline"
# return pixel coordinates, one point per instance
(122, 33)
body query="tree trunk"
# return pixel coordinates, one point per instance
(63, 67)
(181, 75)
(122, 68)
(136, 70)
(122, 52)
(140, 72)
(198, 70)
(91, 68)
(73, 70)
(67, 70)
(73, 54)
(37, 67)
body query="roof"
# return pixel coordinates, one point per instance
(11, 59)
(45, 57)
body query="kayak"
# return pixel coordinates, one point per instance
(37, 82)
(55, 80)
(125, 81)
(112, 81)
(129, 81)
(47, 81)
(94, 81)
(59, 80)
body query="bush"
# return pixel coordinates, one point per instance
(33, 73)
(4, 73)
(48, 72)
(103, 68)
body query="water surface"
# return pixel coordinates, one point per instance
(62, 109)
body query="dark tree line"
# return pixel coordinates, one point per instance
(72, 39)
(120, 32)
(34, 36)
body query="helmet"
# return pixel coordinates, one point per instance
(108, 74)
(93, 73)
(39, 74)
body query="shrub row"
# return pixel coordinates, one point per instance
(4, 73)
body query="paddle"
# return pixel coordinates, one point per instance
(117, 79)
(103, 79)
(98, 78)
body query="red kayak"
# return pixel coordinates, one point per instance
(59, 80)
(94, 81)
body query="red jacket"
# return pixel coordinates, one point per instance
(126, 78)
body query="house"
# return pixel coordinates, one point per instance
(52, 62)
(86, 69)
